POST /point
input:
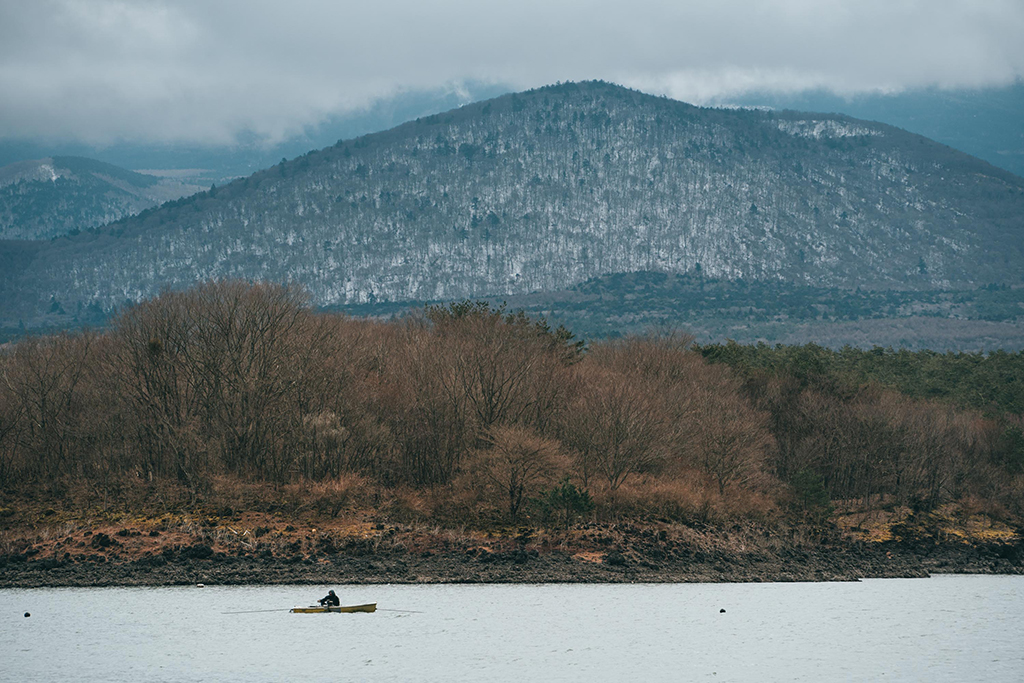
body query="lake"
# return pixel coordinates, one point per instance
(947, 628)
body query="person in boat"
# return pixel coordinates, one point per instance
(330, 600)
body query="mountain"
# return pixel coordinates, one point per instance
(50, 197)
(541, 190)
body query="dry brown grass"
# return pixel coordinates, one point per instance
(690, 499)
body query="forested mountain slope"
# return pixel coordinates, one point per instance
(51, 197)
(542, 190)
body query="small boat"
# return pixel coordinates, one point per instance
(318, 609)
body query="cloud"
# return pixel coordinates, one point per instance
(196, 71)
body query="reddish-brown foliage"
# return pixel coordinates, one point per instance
(464, 412)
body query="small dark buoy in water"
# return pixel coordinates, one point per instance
(27, 615)
(721, 611)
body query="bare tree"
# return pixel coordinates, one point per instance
(246, 352)
(731, 439)
(47, 380)
(12, 422)
(155, 371)
(517, 461)
(429, 414)
(615, 426)
(506, 367)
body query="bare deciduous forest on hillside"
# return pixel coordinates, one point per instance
(234, 393)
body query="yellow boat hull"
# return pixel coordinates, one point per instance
(345, 609)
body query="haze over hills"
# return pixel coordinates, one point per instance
(219, 163)
(46, 198)
(984, 122)
(542, 190)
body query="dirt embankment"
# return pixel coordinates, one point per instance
(264, 549)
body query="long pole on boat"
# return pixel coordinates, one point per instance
(288, 609)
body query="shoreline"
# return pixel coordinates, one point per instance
(192, 565)
(260, 548)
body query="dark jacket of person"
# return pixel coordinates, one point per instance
(330, 600)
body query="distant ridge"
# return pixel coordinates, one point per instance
(51, 197)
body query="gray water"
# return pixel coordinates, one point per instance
(951, 628)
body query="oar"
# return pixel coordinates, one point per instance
(287, 609)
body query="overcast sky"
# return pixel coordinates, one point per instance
(204, 70)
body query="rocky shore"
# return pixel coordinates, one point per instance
(649, 557)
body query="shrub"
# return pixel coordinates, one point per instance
(565, 502)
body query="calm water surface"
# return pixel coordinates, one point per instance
(952, 628)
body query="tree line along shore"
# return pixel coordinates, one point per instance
(471, 429)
